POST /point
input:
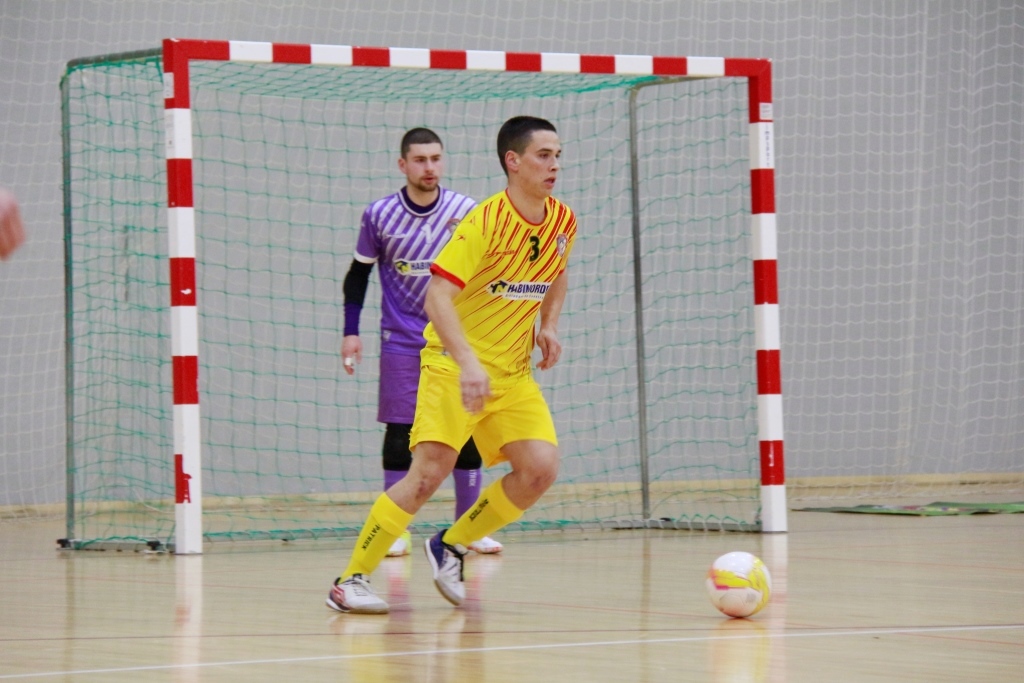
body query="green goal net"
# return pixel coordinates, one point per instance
(286, 157)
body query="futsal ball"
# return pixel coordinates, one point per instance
(739, 584)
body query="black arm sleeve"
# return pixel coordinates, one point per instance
(356, 280)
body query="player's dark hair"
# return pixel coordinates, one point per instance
(419, 136)
(516, 133)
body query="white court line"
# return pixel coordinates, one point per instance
(515, 648)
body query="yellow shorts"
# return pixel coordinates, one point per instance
(513, 413)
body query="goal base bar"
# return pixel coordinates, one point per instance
(691, 525)
(141, 545)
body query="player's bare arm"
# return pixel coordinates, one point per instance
(550, 310)
(440, 308)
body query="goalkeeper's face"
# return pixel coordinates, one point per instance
(423, 166)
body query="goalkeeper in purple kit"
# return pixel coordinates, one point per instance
(403, 233)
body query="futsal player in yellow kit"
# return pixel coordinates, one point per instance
(504, 266)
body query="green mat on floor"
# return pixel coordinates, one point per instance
(928, 510)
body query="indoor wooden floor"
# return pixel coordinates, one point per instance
(857, 598)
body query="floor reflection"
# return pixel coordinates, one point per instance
(438, 645)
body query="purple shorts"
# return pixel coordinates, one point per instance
(399, 380)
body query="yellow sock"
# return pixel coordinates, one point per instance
(491, 511)
(384, 525)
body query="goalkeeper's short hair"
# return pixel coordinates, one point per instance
(419, 136)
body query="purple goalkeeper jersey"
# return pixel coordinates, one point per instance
(404, 239)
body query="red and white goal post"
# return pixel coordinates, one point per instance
(182, 225)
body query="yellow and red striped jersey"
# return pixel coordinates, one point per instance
(504, 265)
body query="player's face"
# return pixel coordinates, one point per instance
(537, 167)
(423, 166)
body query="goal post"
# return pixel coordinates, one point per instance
(668, 400)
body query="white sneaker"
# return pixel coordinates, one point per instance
(401, 545)
(486, 546)
(354, 595)
(447, 563)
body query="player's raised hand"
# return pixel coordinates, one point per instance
(550, 348)
(351, 352)
(12, 231)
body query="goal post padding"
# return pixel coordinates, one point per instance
(233, 175)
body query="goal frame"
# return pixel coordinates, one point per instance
(182, 227)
